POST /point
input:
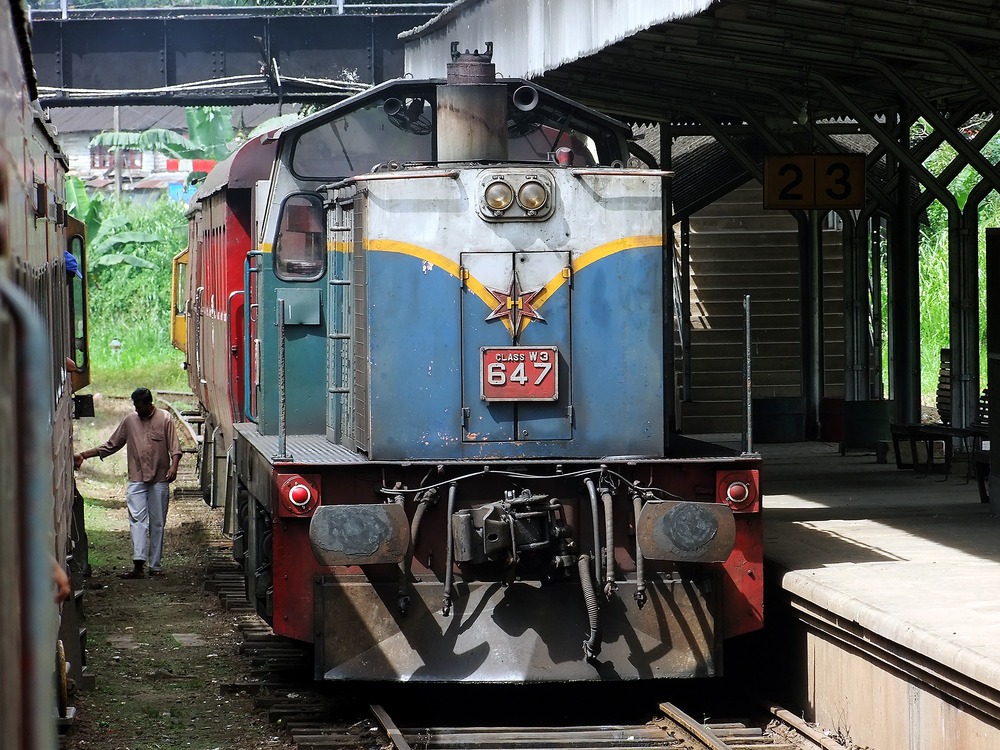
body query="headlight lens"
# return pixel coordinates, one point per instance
(532, 195)
(499, 195)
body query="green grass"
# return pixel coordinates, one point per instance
(934, 300)
(144, 358)
(118, 379)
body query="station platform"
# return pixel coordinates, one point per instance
(886, 585)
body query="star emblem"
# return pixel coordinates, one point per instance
(515, 306)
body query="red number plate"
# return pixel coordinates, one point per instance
(519, 373)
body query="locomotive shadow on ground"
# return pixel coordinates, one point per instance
(555, 634)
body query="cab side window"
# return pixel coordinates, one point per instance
(300, 249)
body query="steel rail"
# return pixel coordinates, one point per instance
(698, 730)
(389, 727)
(811, 733)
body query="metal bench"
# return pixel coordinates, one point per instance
(969, 437)
(912, 434)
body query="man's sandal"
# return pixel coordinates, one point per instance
(157, 574)
(133, 574)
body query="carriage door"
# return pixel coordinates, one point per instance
(516, 346)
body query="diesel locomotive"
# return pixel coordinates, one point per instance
(428, 330)
(43, 359)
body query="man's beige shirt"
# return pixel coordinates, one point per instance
(151, 444)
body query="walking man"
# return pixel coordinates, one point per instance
(153, 454)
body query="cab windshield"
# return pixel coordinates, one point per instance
(398, 125)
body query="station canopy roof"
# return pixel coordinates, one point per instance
(774, 61)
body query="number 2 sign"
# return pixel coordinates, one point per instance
(828, 181)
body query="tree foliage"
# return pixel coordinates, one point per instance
(210, 136)
(130, 250)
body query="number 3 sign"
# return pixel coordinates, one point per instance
(827, 181)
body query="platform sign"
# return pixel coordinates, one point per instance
(826, 181)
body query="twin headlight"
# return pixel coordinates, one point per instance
(510, 196)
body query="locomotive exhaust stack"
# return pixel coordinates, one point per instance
(472, 110)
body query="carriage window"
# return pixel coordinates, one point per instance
(300, 249)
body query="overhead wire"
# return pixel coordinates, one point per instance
(204, 86)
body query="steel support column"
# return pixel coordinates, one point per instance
(856, 309)
(904, 317)
(963, 261)
(904, 293)
(811, 265)
(993, 359)
(670, 313)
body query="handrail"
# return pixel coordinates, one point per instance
(38, 615)
(247, 320)
(234, 407)
(282, 455)
(616, 172)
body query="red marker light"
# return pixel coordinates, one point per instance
(299, 495)
(738, 492)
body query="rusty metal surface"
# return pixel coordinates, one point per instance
(683, 531)
(390, 728)
(488, 637)
(359, 534)
(700, 731)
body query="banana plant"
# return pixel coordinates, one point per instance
(210, 136)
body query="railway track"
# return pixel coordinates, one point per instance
(315, 716)
(674, 729)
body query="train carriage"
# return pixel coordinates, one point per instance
(435, 373)
(43, 359)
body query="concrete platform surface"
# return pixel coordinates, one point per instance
(889, 557)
